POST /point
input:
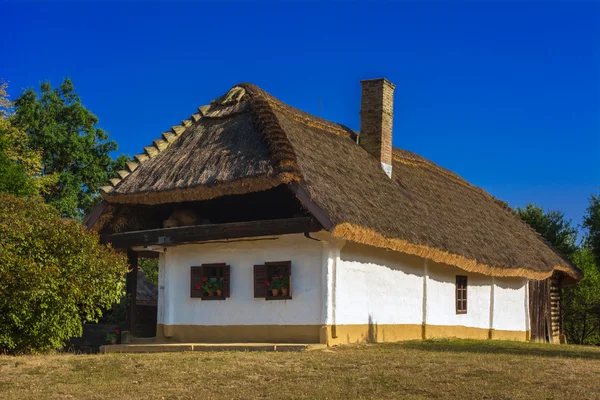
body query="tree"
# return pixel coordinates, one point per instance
(591, 221)
(13, 177)
(17, 163)
(552, 225)
(581, 302)
(75, 153)
(54, 275)
(150, 268)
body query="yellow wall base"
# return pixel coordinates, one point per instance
(330, 334)
(239, 333)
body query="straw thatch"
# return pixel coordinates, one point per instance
(249, 141)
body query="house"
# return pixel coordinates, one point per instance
(363, 241)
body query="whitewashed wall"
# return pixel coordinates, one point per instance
(177, 308)
(374, 286)
(441, 306)
(511, 308)
(336, 283)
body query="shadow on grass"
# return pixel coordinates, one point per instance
(503, 347)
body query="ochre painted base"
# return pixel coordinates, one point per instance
(330, 334)
(239, 333)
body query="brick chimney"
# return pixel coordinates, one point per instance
(376, 115)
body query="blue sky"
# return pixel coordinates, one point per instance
(507, 95)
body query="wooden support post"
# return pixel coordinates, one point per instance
(131, 288)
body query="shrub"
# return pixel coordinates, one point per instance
(54, 275)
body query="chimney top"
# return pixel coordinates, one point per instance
(377, 80)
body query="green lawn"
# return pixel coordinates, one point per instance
(417, 369)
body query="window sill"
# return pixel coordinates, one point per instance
(213, 298)
(278, 298)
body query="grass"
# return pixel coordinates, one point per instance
(413, 370)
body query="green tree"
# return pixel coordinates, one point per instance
(552, 225)
(17, 163)
(75, 153)
(150, 268)
(581, 302)
(591, 221)
(54, 275)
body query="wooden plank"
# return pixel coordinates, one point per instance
(131, 285)
(200, 233)
(92, 217)
(314, 209)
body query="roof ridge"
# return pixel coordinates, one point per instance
(299, 115)
(268, 124)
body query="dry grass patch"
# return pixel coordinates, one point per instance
(429, 369)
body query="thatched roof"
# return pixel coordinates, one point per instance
(249, 141)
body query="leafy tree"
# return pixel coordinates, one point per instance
(17, 162)
(592, 222)
(75, 153)
(13, 177)
(581, 302)
(150, 268)
(54, 275)
(552, 225)
(5, 104)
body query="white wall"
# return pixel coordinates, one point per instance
(374, 286)
(441, 306)
(355, 285)
(510, 304)
(242, 308)
(378, 287)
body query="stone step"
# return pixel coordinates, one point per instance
(180, 347)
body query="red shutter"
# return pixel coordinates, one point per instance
(195, 279)
(260, 276)
(226, 280)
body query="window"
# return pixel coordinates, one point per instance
(210, 282)
(273, 280)
(461, 294)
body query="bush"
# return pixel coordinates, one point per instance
(54, 275)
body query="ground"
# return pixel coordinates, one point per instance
(413, 370)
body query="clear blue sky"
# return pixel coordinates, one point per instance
(506, 95)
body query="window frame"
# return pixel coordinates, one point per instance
(461, 291)
(263, 272)
(197, 273)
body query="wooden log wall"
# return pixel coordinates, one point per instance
(544, 310)
(555, 310)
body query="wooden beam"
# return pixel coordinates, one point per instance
(202, 233)
(131, 286)
(93, 216)
(302, 195)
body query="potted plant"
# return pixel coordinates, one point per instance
(212, 285)
(272, 287)
(111, 338)
(278, 284)
(219, 286)
(285, 284)
(207, 287)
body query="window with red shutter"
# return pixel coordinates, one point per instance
(211, 281)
